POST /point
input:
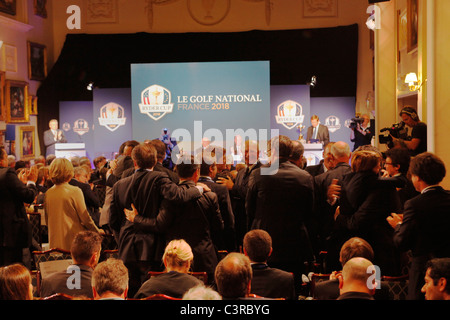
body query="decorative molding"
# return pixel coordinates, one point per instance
(320, 8)
(101, 11)
(14, 24)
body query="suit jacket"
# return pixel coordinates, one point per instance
(271, 282)
(281, 203)
(426, 221)
(323, 134)
(49, 141)
(315, 170)
(146, 190)
(57, 283)
(15, 229)
(355, 296)
(66, 215)
(174, 284)
(227, 240)
(198, 222)
(329, 290)
(90, 199)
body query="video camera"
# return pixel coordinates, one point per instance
(355, 121)
(397, 130)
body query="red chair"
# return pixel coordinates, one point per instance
(160, 296)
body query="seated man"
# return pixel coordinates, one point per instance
(437, 279)
(110, 280)
(85, 251)
(355, 281)
(266, 282)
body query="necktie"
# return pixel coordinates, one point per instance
(315, 133)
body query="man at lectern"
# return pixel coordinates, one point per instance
(317, 133)
(52, 136)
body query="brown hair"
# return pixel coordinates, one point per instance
(15, 281)
(365, 160)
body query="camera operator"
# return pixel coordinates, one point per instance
(416, 140)
(361, 133)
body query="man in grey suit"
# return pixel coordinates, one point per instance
(53, 136)
(317, 132)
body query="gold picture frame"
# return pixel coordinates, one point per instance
(33, 105)
(37, 61)
(2, 96)
(413, 25)
(27, 142)
(16, 93)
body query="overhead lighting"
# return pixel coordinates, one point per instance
(412, 81)
(90, 86)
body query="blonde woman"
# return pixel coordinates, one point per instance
(65, 210)
(175, 281)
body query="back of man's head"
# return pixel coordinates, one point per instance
(428, 167)
(355, 247)
(84, 245)
(297, 151)
(187, 166)
(160, 149)
(110, 277)
(341, 151)
(356, 275)
(144, 156)
(257, 245)
(233, 276)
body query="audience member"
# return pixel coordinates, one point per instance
(437, 279)
(416, 139)
(65, 210)
(238, 189)
(233, 277)
(365, 203)
(15, 283)
(282, 203)
(355, 282)
(110, 280)
(198, 221)
(175, 281)
(266, 282)
(296, 156)
(208, 170)
(327, 163)
(327, 188)
(15, 190)
(201, 292)
(160, 156)
(81, 180)
(140, 249)
(85, 251)
(425, 222)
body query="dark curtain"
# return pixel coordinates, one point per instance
(330, 54)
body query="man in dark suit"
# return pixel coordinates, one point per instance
(85, 251)
(266, 282)
(317, 133)
(53, 136)
(208, 171)
(145, 189)
(238, 189)
(424, 226)
(160, 155)
(198, 221)
(281, 202)
(15, 229)
(327, 186)
(91, 199)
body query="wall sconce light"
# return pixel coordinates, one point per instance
(1, 44)
(412, 81)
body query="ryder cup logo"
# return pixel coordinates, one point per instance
(289, 114)
(156, 102)
(80, 126)
(333, 123)
(112, 116)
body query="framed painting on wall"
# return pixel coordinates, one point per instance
(2, 96)
(37, 61)
(16, 93)
(33, 106)
(26, 141)
(413, 25)
(8, 6)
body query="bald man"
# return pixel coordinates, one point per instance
(356, 281)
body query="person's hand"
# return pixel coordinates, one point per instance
(101, 232)
(394, 219)
(204, 186)
(337, 213)
(226, 182)
(130, 214)
(334, 191)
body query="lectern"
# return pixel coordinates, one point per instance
(313, 153)
(69, 150)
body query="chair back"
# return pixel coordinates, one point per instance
(315, 279)
(398, 286)
(160, 296)
(58, 296)
(52, 260)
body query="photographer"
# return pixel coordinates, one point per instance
(361, 133)
(416, 138)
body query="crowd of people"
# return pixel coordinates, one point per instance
(255, 233)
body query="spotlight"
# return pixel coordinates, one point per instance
(313, 81)
(90, 86)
